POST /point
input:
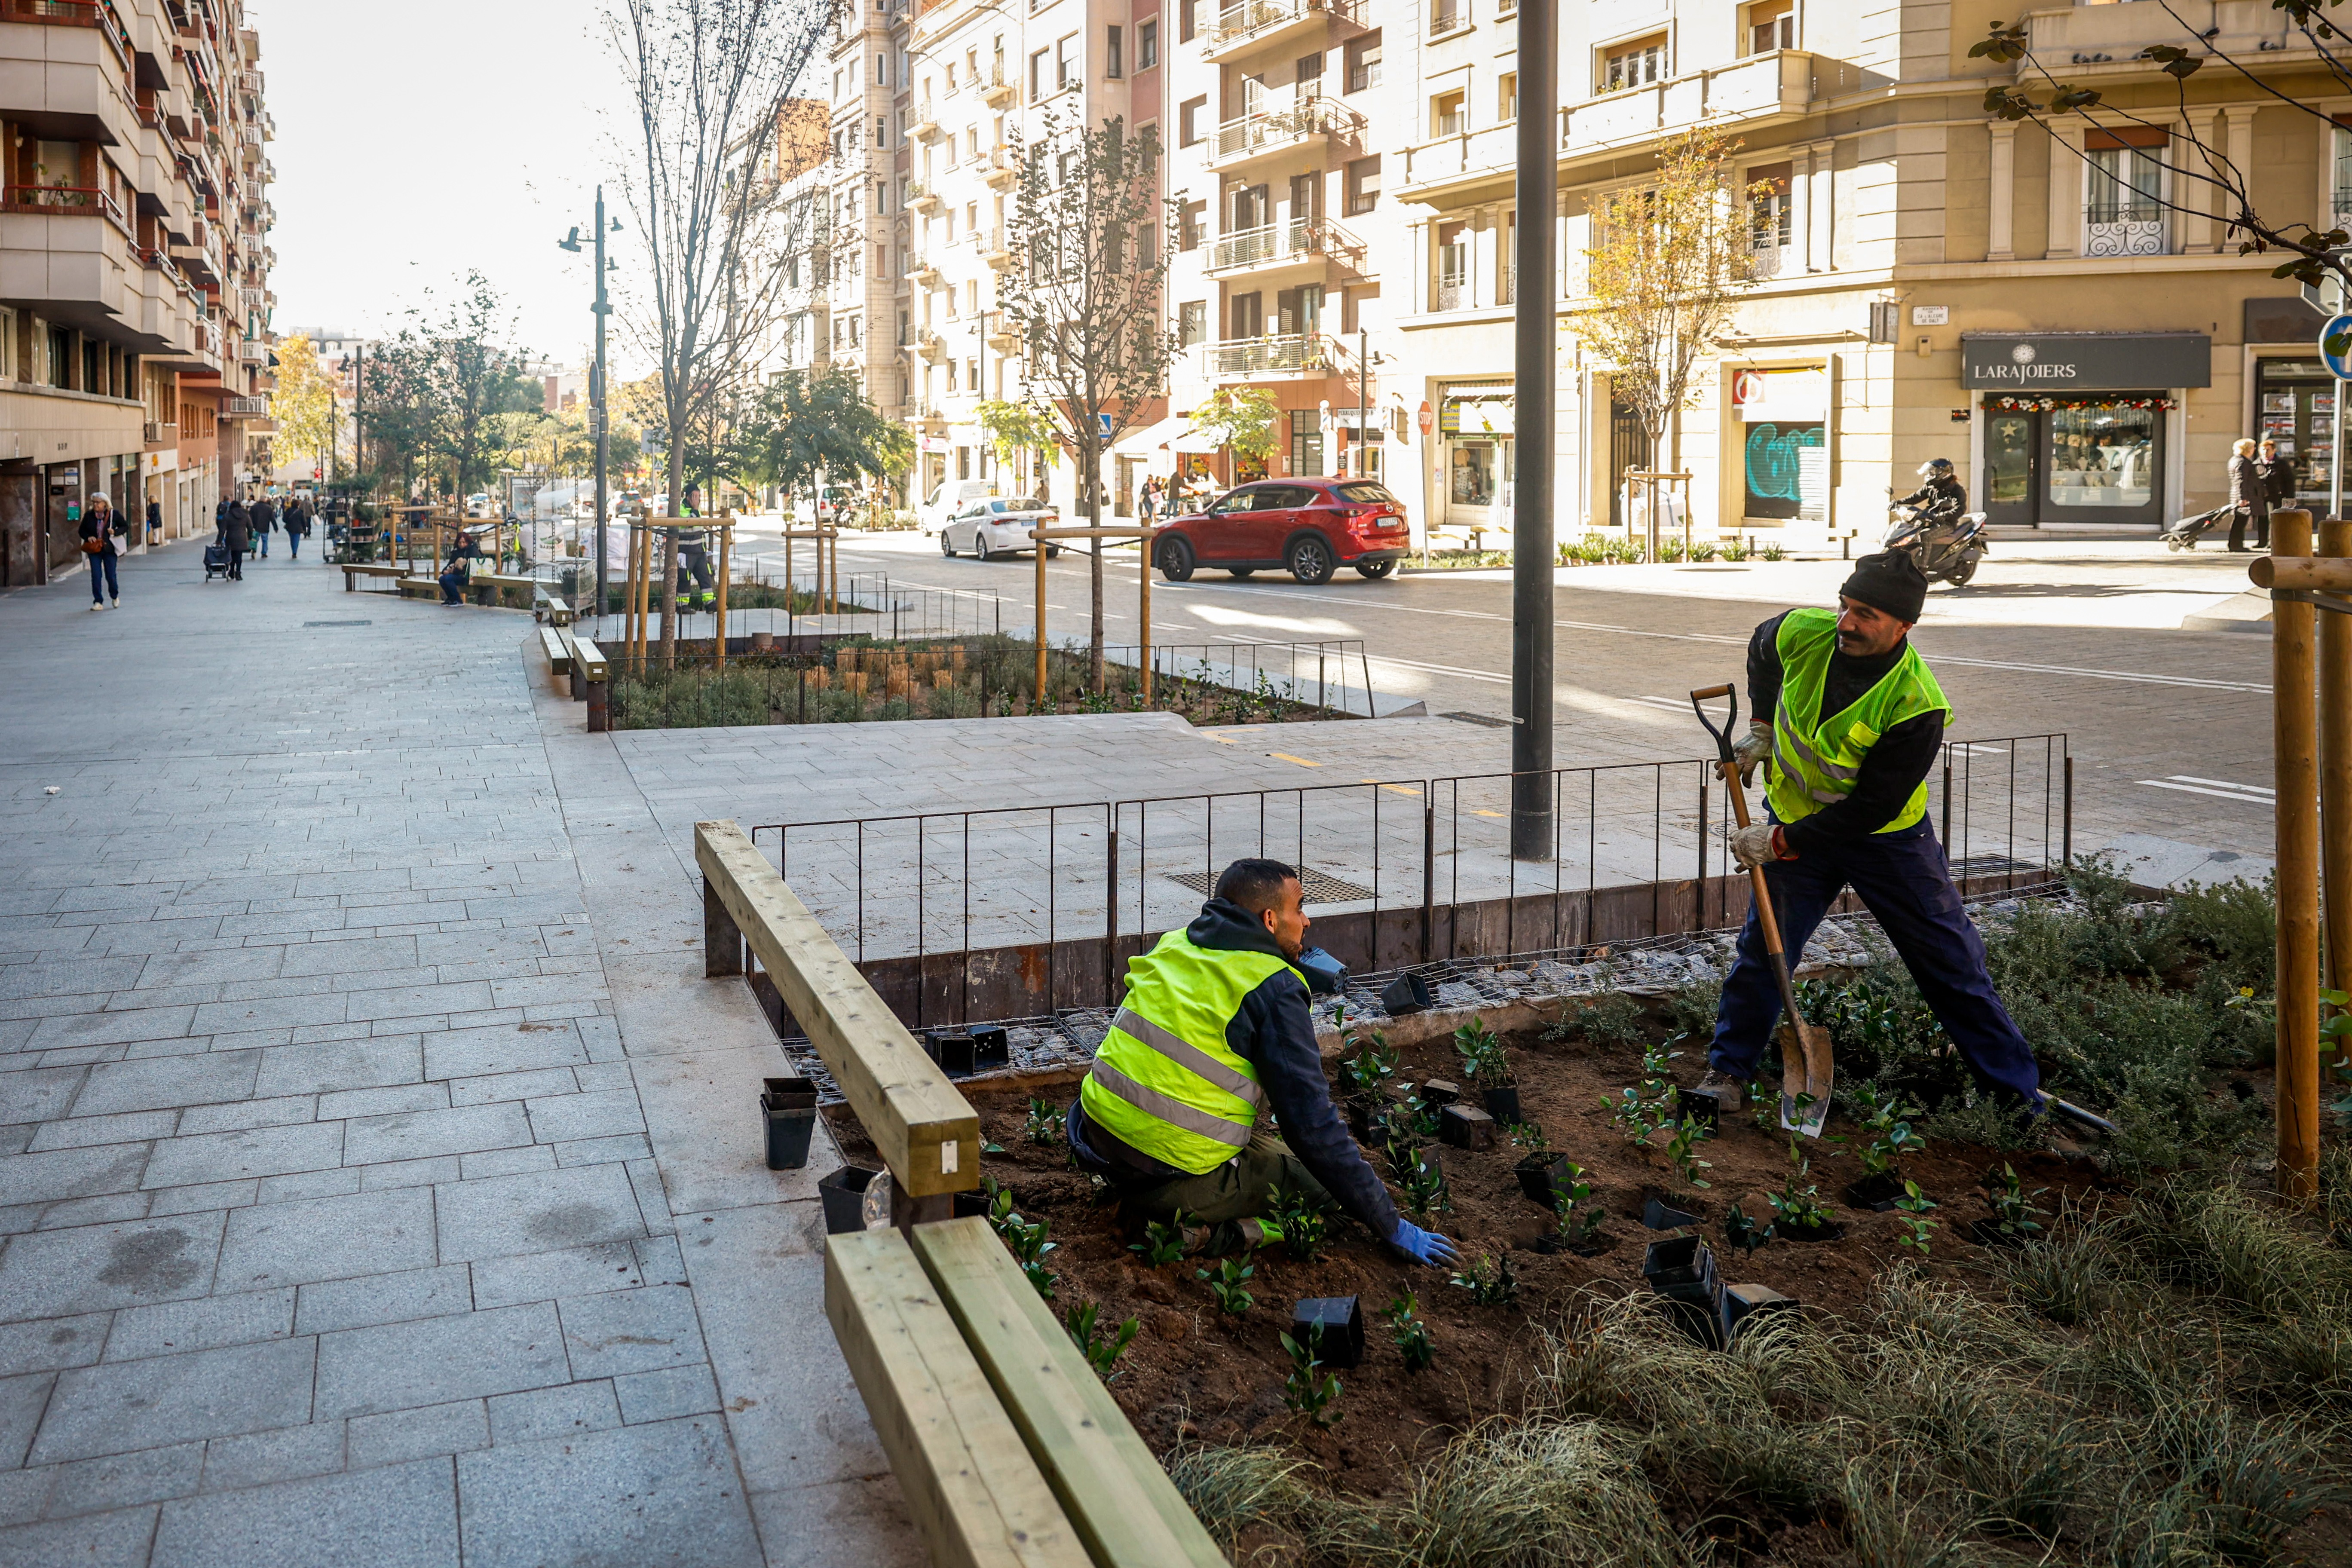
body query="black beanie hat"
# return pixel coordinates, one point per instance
(1888, 580)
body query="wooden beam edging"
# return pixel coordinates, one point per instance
(978, 1497)
(927, 1132)
(1126, 1510)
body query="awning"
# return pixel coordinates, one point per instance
(1173, 434)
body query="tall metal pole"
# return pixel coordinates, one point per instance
(1363, 398)
(596, 397)
(1531, 519)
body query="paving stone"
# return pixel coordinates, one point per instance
(858, 1523)
(86, 1131)
(423, 1134)
(125, 1480)
(546, 1276)
(95, 1268)
(632, 1330)
(401, 1366)
(260, 1151)
(41, 1093)
(398, 1515)
(206, 1322)
(284, 1110)
(501, 1048)
(71, 1173)
(336, 1065)
(536, 1212)
(106, 1209)
(46, 1344)
(508, 1162)
(562, 1117)
(298, 1243)
(351, 955)
(90, 1024)
(367, 1300)
(665, 1492)
(671, 1392)
(573, 1408)
(385, 1101)
(297, 1186)
(404, 1435)
(22, 1403)
(409, 1174)
(25, 1494)
(120, 1406)
(118, 1539)
(203, 1196)
(283, 1455)
(537, 1083)
(271, 1012)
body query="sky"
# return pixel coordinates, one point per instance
(419, 140)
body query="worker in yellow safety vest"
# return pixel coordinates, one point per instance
(1214, 1031)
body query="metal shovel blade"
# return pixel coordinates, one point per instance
(1807, 1076)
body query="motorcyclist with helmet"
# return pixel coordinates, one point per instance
(1943, 496)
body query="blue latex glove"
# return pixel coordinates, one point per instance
(1422, 1246)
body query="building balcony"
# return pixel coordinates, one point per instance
(1301, 240)
(930, 344)
(253, 351)
(1312, 122)
(2110, 230)
(245, 408)
(1258, 359)
(923, 270)
(926, 202)
(66, 200)
(997, 92)
(996, 249)
(1262, 23)
(923, 121)
(1000, 338)
(158, 433)
(1004, 169)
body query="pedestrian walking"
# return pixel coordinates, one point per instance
(1147, 504)
(100, 530)
(298, 527)
(2278, 487)
(2248, 503)
(264, 521)
(154, 522)
(1850, 721)
(236, 532)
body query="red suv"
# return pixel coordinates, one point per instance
(1313, 526)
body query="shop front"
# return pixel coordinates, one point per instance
(2294, 406)
(1474, 430)
(1784, 455)
(2074, 428)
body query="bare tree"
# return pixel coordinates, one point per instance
(1090, 243)
(1669, 259)
(709, 80)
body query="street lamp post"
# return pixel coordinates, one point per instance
(1531, 519)
(597, 410)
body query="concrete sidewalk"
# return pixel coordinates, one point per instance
(381, 1181)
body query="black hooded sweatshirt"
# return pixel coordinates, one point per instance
(1274, 1032)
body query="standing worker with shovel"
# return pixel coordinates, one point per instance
(1856, 722)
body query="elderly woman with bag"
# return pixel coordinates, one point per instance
(100, 530)
(2249, 498)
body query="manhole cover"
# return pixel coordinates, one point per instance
(339, 623)
(1488, 720)
(1316, 888)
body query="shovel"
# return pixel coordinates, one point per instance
(1807, 1073)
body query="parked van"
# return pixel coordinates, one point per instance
(949, 498)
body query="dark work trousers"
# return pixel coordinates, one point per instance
(694, 571)
(2259, 516)
(1903, 879)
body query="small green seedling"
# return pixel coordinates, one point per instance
(1229, 1283)
(1682, 1149)
(2013, 1209)
(1484, 1062)
(1423, 1181)
(1580, 1218)
(1163, 1241)
(1368, 1070)
(1890, 1137)
(1798, 1208)
(1916, 1225)
(1045, 1123)
(1028, 1241)
(1527, 1135)
(1000, 1203)
(1744, 1233)
(1102, 1351)
(1490, 1283)
(1409, 1332)
(1310, 1389)
(1304, 1222)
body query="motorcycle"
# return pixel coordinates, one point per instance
(1945, 545)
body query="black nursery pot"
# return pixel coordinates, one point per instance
(1876, 1193)
(1467, 1127)
(1503, 1103)
(1439, 1091)
(1787, 1232)
(1681, 1260)
(1658, 1214)
(789, 1110)
(1342, 1321)
(991, 1048)
(1407, 994)
(844, 1196)
(789, 1093)
(1543, 1177)
(956, 1054)
(972, 1205)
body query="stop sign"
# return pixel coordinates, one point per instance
(1427, 418)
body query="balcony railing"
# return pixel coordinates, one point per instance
(2123, 228)
(922, 123)
(1240, 23)
(1271, 130)
(1299, 240)
(997, 92)
(1004, 169)
(1292, 354)
(253, 351)
(994, 249)
(245, 407)
(60, 198)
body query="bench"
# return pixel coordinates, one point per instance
(1006, 1445)
(420, 588)
(559, 658)
(559, 614)
(352, 569)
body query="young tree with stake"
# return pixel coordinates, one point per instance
(1090, 245)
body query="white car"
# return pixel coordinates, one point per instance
(994, 526)
(947, 501)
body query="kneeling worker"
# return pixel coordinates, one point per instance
(1856, 722)
(1216, 1029)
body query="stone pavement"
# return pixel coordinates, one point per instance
(381, 1181)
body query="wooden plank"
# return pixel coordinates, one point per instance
(978, 1499)
(557, 658)
(925, 1133)
(593, 663)
(1124, 1506)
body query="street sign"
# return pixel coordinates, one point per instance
(1102, 423)
(2335, 346)
(1426, 418)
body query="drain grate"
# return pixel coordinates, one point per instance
(1488, 720)
(1993, 866)
(1316, 888)
(339, 623)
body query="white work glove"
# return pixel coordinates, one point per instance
(1752, 845)
(1753, 748)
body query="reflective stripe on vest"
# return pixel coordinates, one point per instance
(1815, 764)
(1165, 1082)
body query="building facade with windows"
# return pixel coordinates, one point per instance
(134, 268)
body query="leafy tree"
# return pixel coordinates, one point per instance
(1091, 243)
(1242, 419)
(809, 423)
(1013, 428)
(302, 403)
(436, 390)
(1668, 261)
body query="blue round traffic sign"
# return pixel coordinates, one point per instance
(2335, 346)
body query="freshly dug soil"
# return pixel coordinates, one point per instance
(1197, 1374)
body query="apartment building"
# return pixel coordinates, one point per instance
(134, 267)
(851, 298)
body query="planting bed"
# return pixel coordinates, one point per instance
(1195, 1373)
